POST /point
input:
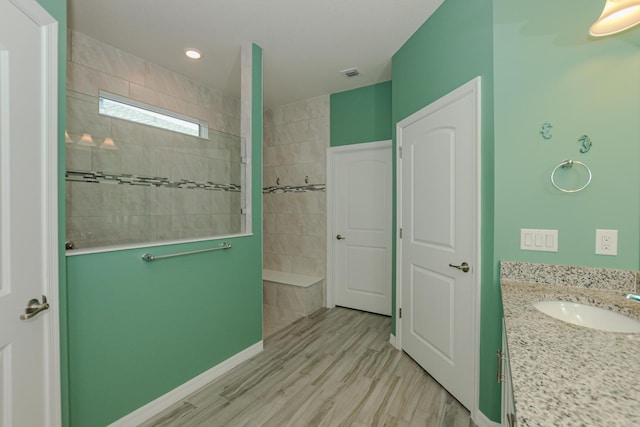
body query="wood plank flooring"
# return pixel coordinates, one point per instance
(333, 368)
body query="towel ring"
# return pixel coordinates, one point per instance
(566, 164)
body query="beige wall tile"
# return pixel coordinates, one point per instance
(106, 59)
(291, 297)
(89, 200)
(277, 262)
(230, 106)
(306, 109)
(269, 223)
(162, 80)
(277, 115)
(210, 98)
(268, 137)
(225, 224)
(296, 137)
(309, 266)
(315, 224)
(82, 116)
(167, 102)
(319, 130)
(270, 177)
(314, 297)
(269, 292)
(78, 157)
(109, 161)
(137, 159)
(267, 118)
(88, 81)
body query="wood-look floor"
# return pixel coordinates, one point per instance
(333, 368)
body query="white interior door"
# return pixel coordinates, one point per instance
(360, 235)
(439, 177)
(29, 365)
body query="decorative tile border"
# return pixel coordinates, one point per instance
(568, 275)
(146, 181)
(293, 188)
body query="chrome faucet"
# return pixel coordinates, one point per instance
(634, 297)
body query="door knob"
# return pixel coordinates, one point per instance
(339, 237)
(34, 307)
(464, 267)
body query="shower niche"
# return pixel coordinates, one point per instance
(129, 183)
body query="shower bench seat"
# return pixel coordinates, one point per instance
(287, 297)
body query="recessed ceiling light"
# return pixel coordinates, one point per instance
(193, 53)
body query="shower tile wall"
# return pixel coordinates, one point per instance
(296, 137)
(102, 214)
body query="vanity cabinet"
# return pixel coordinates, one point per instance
(504, 377)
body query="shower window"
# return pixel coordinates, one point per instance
(139, 112)
(131, 183)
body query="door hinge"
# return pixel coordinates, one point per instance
(401, 233)
(400, 151)
(400, 313)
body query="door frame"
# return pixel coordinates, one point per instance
(49, 164)
(331, 151)
(473, 86)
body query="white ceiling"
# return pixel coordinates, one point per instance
(305, 42)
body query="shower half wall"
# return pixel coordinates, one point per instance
(129, 183)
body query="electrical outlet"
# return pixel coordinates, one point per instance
(607, 242)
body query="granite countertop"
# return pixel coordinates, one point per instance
(567, 375)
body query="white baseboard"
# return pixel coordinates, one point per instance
(392, 340)
(481, 420)
(142, 414)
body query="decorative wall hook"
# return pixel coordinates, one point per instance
(545, 131)
(277, 181)
(306, 179)
(586, 143)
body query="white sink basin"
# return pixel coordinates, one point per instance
(588, 316)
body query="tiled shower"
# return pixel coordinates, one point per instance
(296, 138)
(131, 183)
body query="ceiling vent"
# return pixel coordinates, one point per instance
(351, 72)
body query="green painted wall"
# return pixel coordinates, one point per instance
(138, 330)
(58, 9)
(452, 47)
(547, 68)
(361, 115)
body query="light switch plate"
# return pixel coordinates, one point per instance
(538, 240)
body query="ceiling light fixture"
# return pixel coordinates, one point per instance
(193, 53)
(617, 15)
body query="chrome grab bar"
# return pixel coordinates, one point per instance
(148, 257)
(633, 297)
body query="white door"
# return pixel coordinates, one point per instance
(29, 364)
(360, 235)
(438, 202)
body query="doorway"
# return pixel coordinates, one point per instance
(359, 235)
(438, 255)
(29, 311)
